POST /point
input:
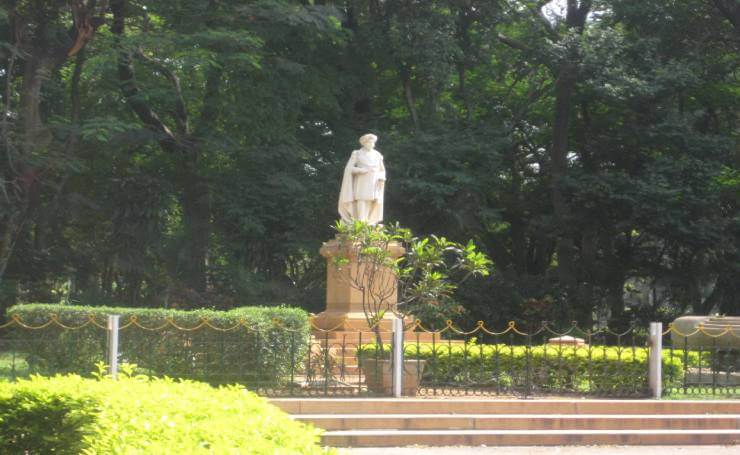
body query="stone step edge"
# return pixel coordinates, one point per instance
(476, 405)
(440, 438)
(360, 401)
(515, 416)
(520, 432)
(477, 399)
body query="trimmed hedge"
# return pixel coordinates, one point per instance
(603, 370)
(140, 415)
(259, 353)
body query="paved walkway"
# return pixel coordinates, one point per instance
(571, 450)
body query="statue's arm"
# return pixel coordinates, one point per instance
(381, 172)
(352, 167)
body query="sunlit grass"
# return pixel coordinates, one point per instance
(12, 365)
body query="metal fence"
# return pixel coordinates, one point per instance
(265, 359)
(544, 360)
(706, 362)
(281, 361)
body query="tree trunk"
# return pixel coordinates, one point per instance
(615, 302)
(18, 194)
(195, 197)
(463, 35)
(564, 88)
(409, 95)
(197, 222)
(725, 297)
(565, 85)
(43, 52)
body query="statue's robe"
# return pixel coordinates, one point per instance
(363, 187)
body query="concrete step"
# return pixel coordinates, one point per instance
(478, 405)
(394, 438)
(344, 422)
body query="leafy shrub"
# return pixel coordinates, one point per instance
(140, 415)
(252, 345)
(546, 368)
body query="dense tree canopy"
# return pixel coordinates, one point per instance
(189, 153)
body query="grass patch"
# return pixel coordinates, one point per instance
(721, 394)
(13, 365)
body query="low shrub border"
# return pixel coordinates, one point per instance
(140, 415)
(256, 346)
(606, 370)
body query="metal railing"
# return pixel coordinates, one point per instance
(276, 360)
(541, 361)
(709, 362)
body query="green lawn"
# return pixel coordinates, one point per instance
(721, 394)
(12, 365)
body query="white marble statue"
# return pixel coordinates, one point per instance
(363, 184)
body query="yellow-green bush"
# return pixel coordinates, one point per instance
(140, 415)
(260, 346)
(547, 368)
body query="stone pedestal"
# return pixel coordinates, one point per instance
(722, 332)
(344, 306)
(567, 340)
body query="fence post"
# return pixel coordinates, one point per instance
(655, 359)
(113, 320)
(397, 357)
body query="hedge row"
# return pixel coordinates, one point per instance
(260, 352)
(139, 415)
(599, 370)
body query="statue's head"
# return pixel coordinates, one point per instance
(368, 140)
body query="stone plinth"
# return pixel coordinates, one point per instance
(344, 305)
(567, 341)
(722, 332)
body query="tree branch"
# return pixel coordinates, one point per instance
(5, 121)
(577, 13)
(129, 86)
(181, 113)
(211, 102)
(542, 20)
(512, 43)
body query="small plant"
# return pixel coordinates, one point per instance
(426, 273)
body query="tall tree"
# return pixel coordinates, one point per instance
(44, 35)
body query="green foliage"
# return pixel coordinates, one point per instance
(465, 97)
(255, 346)
(137, 414)
(605, 370)
(426, 274)
(37, 419)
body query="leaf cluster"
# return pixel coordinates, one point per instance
(593, 369)
(138, 414)
(427, 271)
